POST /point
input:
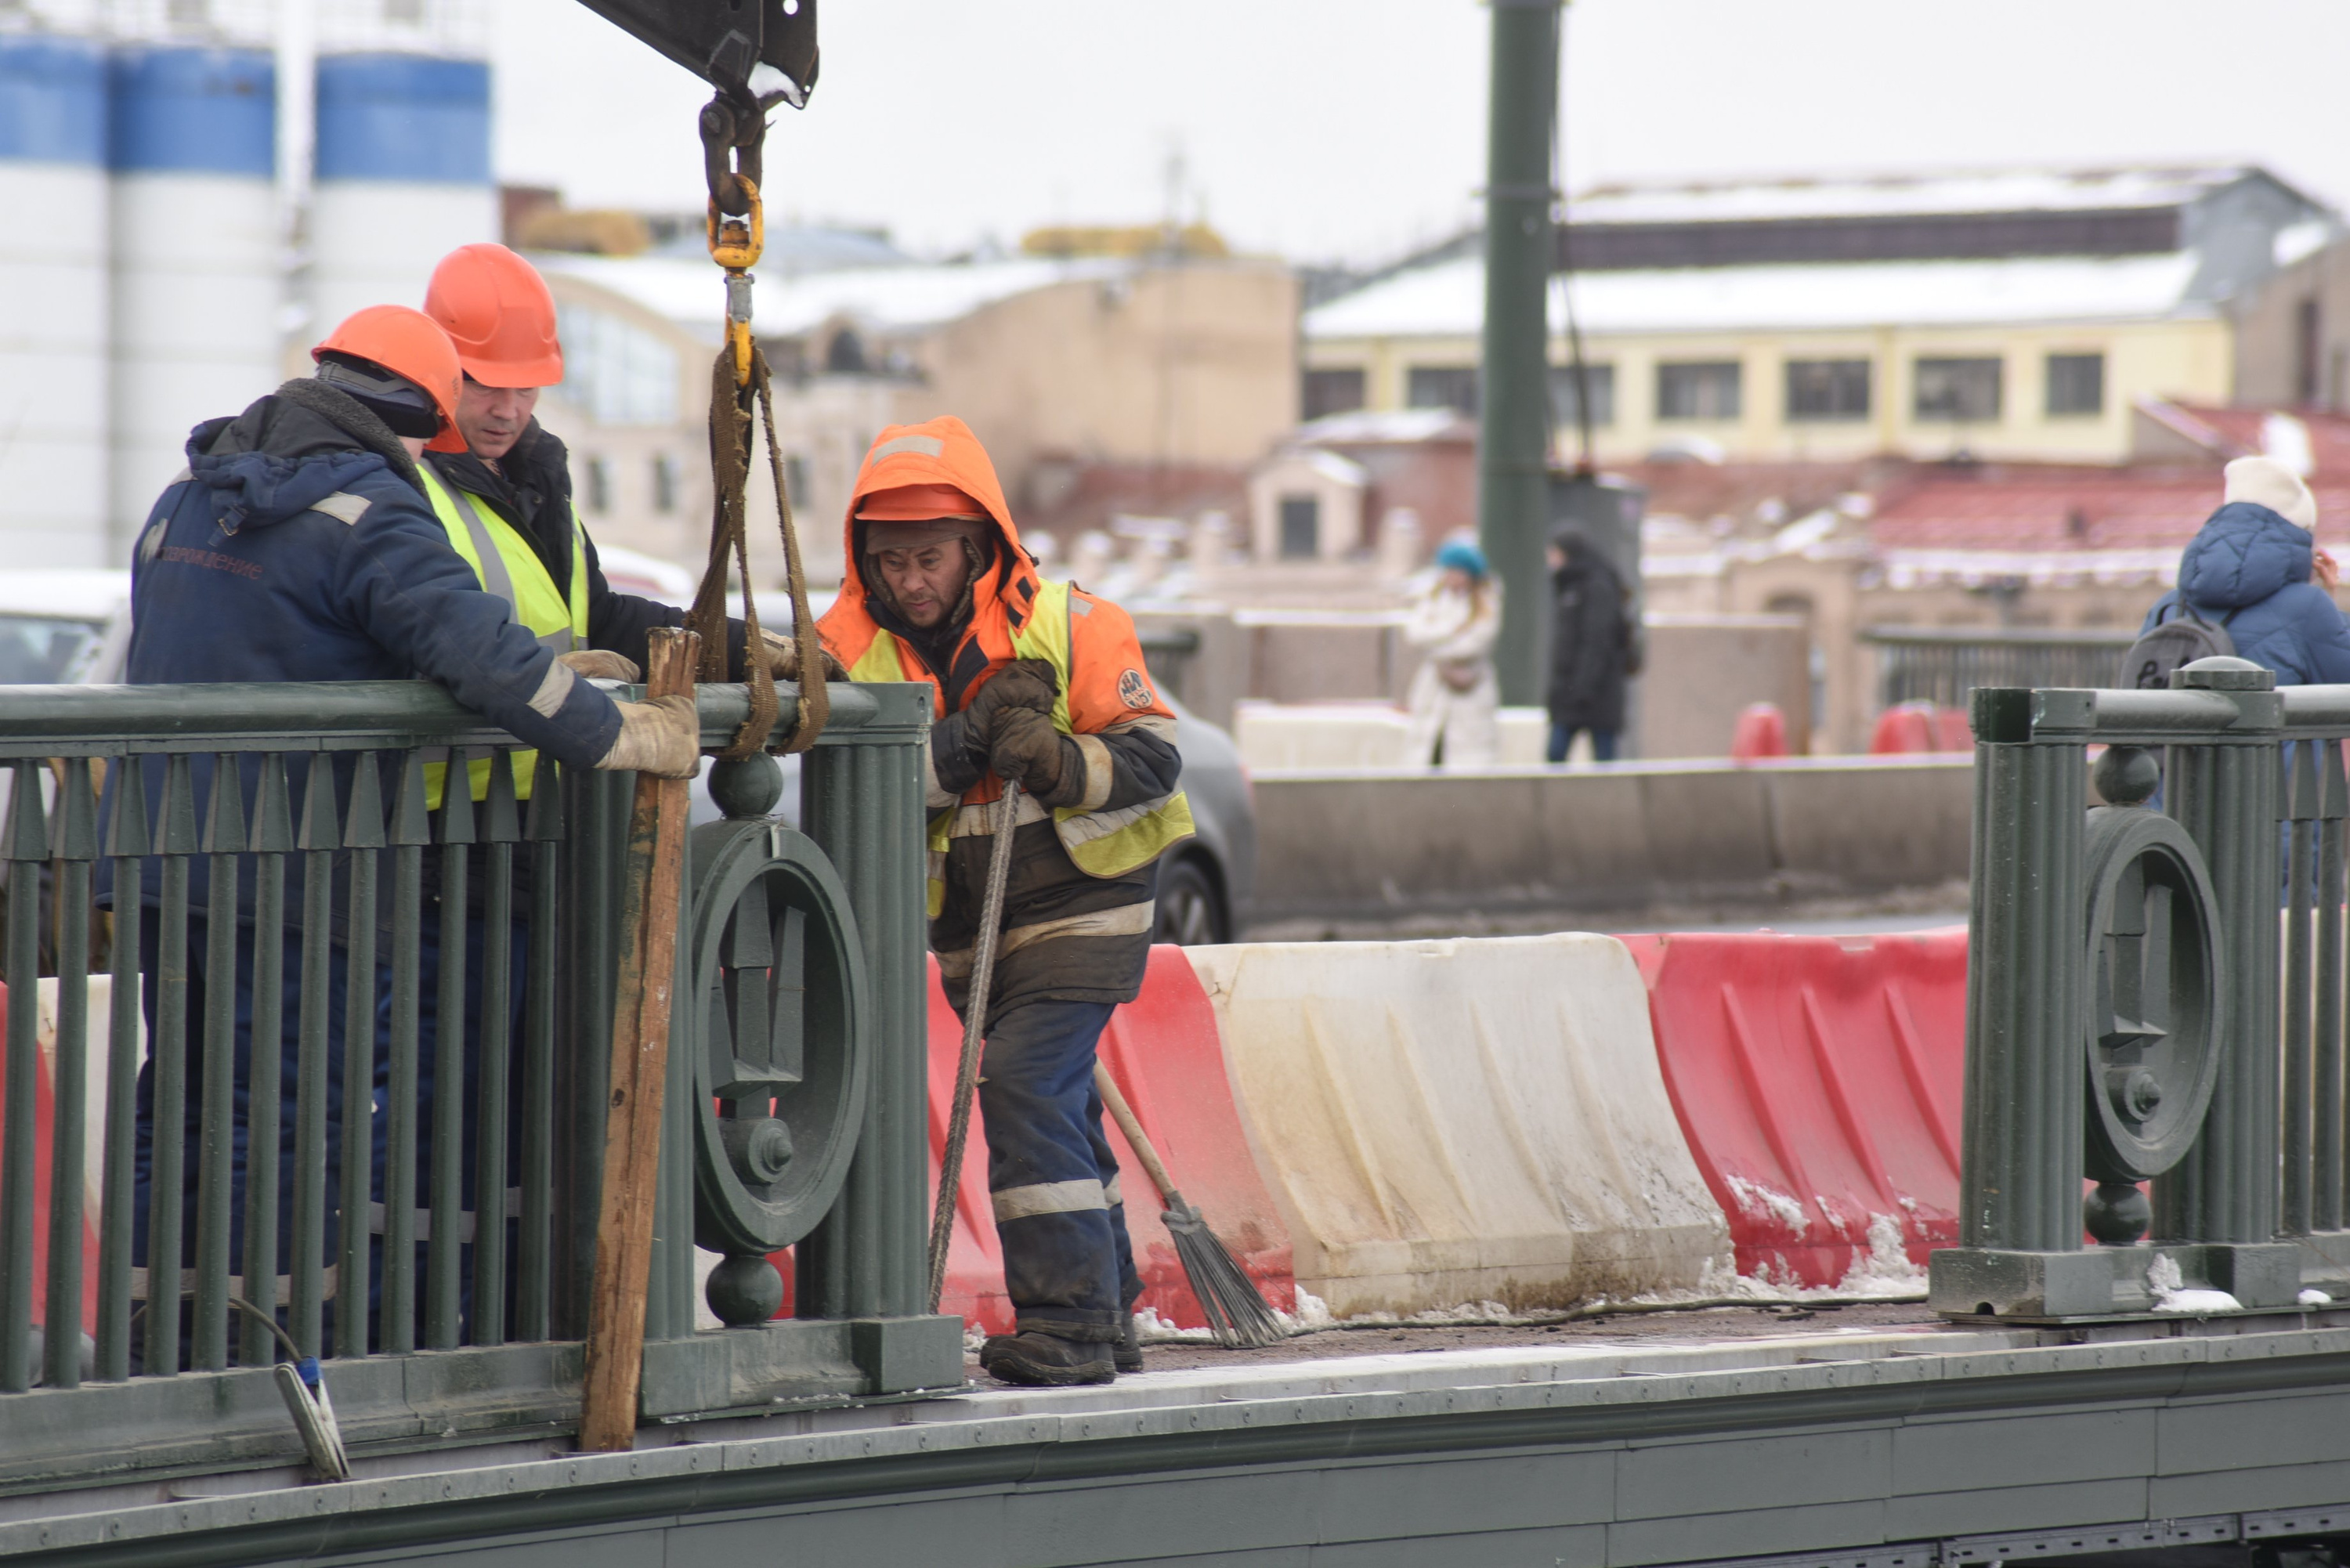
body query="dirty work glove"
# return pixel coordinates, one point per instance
(1027, 747)
(600, 664)
(661, 737)
(1028, 685)
(784, 657)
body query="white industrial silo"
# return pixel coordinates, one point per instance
(401, 169)
(53, 449)
(196, 277)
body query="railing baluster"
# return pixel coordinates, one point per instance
(2333, 805)
(273, 836)
(363, 835)
(534, 1253)
(127, 840)
(501, 826)
(27, 849)
(176, 841)
(2300, 999)
(444, 1278)
(410, 831)
(75, 850)
(320, 835)
(225, 836)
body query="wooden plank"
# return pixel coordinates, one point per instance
(624, 1231)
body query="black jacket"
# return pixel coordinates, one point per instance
(1590, 639)
(531, 488)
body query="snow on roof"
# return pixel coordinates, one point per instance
(1952, 192)
(887, 299)
(1366, 427)
(1447, 299)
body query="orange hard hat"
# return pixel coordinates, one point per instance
(497, 309)
(408, 343)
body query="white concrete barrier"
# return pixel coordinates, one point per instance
(1321, 735)
(1456, 1121)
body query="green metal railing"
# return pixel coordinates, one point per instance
(2155, 995)
(463, 1220)
(1942, 664)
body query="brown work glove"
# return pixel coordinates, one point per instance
(661, 737)
(784, 657)
(1028, 685)
(600, 664)
(1027, 748)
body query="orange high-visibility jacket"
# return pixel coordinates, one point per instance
(1078, 914)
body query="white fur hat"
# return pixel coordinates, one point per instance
(2265, 481)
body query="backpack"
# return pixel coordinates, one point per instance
(2168, 644)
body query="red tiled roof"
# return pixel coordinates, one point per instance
(2067, 512)
(2235, 432)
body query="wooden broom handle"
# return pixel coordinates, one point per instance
(1106, 1086)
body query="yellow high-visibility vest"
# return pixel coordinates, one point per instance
(507, 566)
(1102, 843)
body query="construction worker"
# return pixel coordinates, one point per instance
(1042, 683)
(500, 484)
(299, 544)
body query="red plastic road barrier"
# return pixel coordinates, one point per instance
(1912, 727)
(1762, 732)
(1818, 1081)
(44, 1163)
(1164, 1051)
(1952, 731)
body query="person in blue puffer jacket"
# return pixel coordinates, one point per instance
(2255, 570)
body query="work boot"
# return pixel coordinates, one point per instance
(1128, 1354)
(1040, 1360)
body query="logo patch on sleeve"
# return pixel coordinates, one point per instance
(1134, 691)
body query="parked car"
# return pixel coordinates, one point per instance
(1206, 885)
(64, 626)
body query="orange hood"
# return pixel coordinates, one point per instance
(937, 451)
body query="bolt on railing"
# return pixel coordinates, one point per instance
(2155, 994)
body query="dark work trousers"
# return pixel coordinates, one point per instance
(427, 1034)
(1068, 1265)
(288, 1048)
(1562, 740)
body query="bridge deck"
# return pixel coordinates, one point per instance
(1855, 1443)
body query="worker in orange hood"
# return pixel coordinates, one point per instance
(1042, 683)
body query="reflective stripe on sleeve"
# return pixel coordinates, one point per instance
(1049, 1198)
(1126, 920)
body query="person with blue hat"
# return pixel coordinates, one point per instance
(1455, 696)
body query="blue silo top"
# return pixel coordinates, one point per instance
(52, 99)
(196, 111)
(403, 117)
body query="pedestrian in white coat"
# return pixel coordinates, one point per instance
(1455, 697)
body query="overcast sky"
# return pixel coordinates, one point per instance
(1351, 130)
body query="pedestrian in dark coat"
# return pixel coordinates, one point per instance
(2255, 569)
(1590, 647)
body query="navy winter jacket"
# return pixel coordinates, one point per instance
(2252, 565)
(300, 548)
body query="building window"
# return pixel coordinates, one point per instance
(1702, 390)
(2076, 384)
(1301, 527)
(600, 487)
(1563, 401)
(1327, 392)
(664, 482)
(1964, 391)
(1442, 387)
(616, 373)
(1825, 389)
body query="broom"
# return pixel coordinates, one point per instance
(1235, 1309)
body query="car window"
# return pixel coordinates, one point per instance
(47, 651)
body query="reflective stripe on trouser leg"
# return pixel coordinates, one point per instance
(1066, 1255)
